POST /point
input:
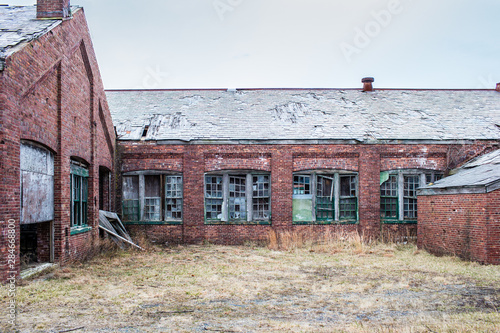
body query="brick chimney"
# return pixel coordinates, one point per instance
(498, 87)
(53, 9)
(367, 83)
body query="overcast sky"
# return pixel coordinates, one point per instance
(294, 43)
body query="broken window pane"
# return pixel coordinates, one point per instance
(173, 197)
(130, 205)
(261, 197)
(411, 184)
(389, 198)
(214, 197)
(348, 198)
(327, 207)
(237, 198)
(152, 198)
(325, 198)
(433, 177)
(213, 187)
(301, 184)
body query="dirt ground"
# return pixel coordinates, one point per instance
(208, 288)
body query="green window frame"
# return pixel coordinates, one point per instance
(261, 198)
(236, 197)
(131, 209)
(173, 197)
(79, 175)
(323, 197)
(398, 193)
(389, 203)
(348, 206)
(214, 198)
(152, 197)
(325, 203)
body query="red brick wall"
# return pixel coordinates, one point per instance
(43, 241)
(281, 161)
(466, 225)
(51, 93)
(493, 223)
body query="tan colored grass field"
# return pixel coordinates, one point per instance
(342, 285)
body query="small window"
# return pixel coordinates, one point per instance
(335, 197)
(79, 194)
(238, 198)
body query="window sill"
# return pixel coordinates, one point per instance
(152, 223)
(347, 222)
(212, 222)
(80, 230)
(399, 222)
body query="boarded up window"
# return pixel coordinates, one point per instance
(37, 184)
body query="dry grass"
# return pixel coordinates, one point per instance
(315, 283)
(327, 242)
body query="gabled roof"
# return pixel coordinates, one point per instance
(481, 175)
(305, 114)
(18, 25)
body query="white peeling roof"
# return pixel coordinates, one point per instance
(491, 158)
(18, 25)
(306, 114)
(482, 172)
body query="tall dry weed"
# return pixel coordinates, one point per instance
(326, 241)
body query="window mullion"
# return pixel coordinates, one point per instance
(401, 184)
(336, 189)
(225, 197)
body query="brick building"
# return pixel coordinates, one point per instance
(219, 165)
(57, 141)
(228, 165)
(460, 214)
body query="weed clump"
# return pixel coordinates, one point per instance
(326, 241)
